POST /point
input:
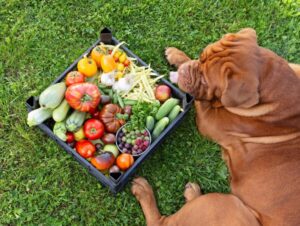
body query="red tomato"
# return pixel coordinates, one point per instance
(70, 137)
(85, 148)
(93, 129)
(74, 77)
(126, 63)
(83, 96)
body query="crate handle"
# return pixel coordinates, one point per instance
(106, 36)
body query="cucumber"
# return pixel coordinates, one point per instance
(75, 120)
(150, 122)
(60, 113)
(166, 108)
(174, 112)
(129, 102)
(52, 96)
(60, 130)
(159, 127)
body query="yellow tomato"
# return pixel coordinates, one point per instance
(117, 55)
(120, 67)
(108, 63)
(96, 54)
(119, 75)
(122, 58)
(87, 66)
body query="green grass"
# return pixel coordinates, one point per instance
(40, 184)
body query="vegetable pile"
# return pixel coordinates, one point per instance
(108, 94)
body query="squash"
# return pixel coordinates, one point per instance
(60, 130)
(60, 113)
(52, 96)
(75, 121)
(38, 116)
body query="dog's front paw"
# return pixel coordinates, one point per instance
(142, 190)
(175, 56)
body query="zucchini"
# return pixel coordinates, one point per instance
(75, 120)
(38, 116)
(150, 122)
(60, 130)
(60, 113)
(166, 108)
(159, 127)
(53, 95)
(174, 112)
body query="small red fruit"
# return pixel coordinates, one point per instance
(126, 63)
(70, 137)
(85, 148)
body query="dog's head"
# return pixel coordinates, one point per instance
(228, 70)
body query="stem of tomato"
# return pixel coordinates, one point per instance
(86, 98)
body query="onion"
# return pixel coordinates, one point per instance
(123, 85)
(108, 79)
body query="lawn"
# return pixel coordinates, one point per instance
(40, 184)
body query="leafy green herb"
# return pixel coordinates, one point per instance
(140, 111)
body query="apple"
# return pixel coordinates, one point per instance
(112, 149)
(162, 93)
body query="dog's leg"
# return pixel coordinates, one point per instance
(211, 209)
(143, 192)
(176, 57)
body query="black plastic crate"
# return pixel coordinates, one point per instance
(114, 184)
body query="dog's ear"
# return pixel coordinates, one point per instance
(240, 73)
(240, 89)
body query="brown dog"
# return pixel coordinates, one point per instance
(248, 101)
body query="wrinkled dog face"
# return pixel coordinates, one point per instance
(228, 70)
(189, 77)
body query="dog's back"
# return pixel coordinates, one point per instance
(265, 161)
